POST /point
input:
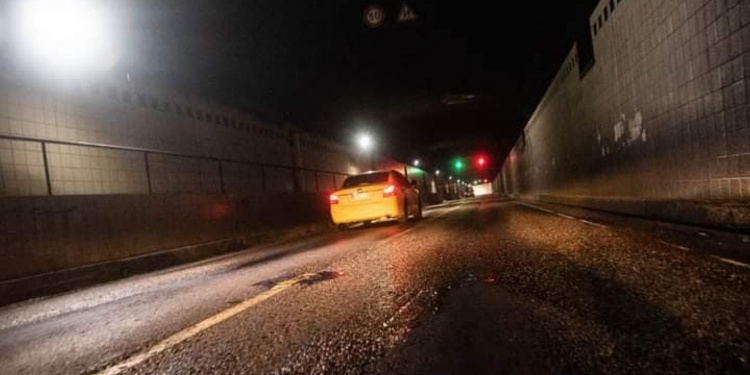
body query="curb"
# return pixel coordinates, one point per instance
(732, 216)
(47, 284)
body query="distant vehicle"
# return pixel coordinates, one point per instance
(375, 196)
(469, 192)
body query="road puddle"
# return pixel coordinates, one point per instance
(306, 279)
(410, 312)
(321, 276)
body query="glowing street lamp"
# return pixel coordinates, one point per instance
(437, 172)
(68, 36)
(365, 142)
(416, 162)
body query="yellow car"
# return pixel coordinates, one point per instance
(375, 196)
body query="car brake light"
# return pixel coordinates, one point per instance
(334, 199)
(389, 191)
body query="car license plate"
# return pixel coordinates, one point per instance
(359, 195)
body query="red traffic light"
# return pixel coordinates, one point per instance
(480, 161)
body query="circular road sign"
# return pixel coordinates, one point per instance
(374, 16)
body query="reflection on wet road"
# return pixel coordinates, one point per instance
(483, 286)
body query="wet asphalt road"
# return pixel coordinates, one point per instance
(485, 286)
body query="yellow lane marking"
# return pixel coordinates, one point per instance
(201, 326)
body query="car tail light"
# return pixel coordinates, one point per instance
(333, 199)
(389, 191)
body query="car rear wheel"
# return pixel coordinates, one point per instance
(404, 215)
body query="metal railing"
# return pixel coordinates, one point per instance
(298, 187)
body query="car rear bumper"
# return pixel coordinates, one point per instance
(355, 213)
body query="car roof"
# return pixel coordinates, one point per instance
(391, 172)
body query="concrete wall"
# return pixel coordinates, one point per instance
(45, 234)
(126, 116)
(101, 170)
(429, 184)
(661, 115)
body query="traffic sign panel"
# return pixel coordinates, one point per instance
(406, 13)
(374, 16)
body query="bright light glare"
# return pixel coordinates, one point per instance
(65, 35)
(365, 142)
(416, 162)
(437, 172)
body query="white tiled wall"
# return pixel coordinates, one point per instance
(663, 113)
(327, 182)
(21, 168)
(279, 180)
(91, 170)
(175, 174)
(311, 184)
(126, 116)
(242, 178)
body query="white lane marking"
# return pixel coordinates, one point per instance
(201, 326)
(720, 259)
(547, 211)
(397, 235)
(592, 223)
(563, 215)
(702, 234)
(537, 207)
(444, 213)
(675, 246)
(731, 261)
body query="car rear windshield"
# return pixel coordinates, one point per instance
(366, 179)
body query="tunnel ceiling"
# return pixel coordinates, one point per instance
(468, 70)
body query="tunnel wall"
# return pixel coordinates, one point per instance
(44, 234)
(660, 117)
(427, 183)
(98, 131)
(102, 170)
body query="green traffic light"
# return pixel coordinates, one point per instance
(459, 165)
